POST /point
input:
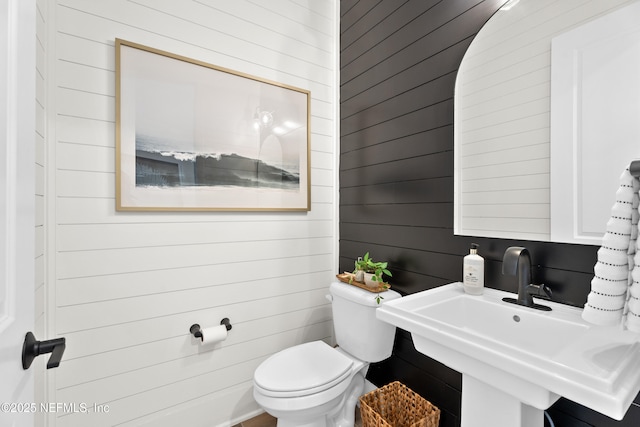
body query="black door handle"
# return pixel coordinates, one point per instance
(33, 348)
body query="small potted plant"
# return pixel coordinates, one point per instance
(373, 271)
(359, 270)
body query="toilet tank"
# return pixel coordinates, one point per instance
(358, 331)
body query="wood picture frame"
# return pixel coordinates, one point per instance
(191, 136)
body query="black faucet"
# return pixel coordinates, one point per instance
(517, 262)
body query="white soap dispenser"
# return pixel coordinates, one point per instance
(473, 272)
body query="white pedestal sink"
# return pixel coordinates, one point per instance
(516, 361)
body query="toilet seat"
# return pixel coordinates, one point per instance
(302, 370)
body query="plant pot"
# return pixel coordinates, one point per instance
(370, 283)
(359, 276)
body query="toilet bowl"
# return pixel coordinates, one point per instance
(306, 384)
(316, 385)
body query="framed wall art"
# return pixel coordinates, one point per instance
(194, 136)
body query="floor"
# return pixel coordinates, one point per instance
(266, 420)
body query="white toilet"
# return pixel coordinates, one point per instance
(316, 385)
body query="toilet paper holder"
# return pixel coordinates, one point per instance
(196, 331)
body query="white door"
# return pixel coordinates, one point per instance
(17, 195)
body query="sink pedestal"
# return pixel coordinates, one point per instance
(484, 405)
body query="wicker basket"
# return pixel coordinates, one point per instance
(396, 405)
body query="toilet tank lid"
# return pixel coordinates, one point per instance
(361, 296)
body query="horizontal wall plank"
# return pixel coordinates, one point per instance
(434, 190)
(406, 215)
(424, 143)
(282, 37)
(506, 210)
(535, 158)
(75, 49)
(75, 210)
(418, 39)
(438, 214)
(352, 11)
(112, 312)
(86, 157)
(234, 403)
(417, 168)
(516, 182)
(508, 225)
(531, 87)
(514, 127)
(322, 143)
(127, 260)
(281, 14)
(322, 109)
(325, 161)
(507, 142)
(374, 26)
(324, 8)
(427, 238)
(88, 105)
(138, 405)
(76, 183)
(79, 183)
(506, 113)
(106, 23)
(431, 69)
(519, 196)
(114, 236)
(405, 103)
(86, 78)
(428, 118)
(78, 130)
(236, 277)
(100, 53)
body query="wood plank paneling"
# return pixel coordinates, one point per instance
(128, 285)
(432, 71)
(428, 118)
(396, 178)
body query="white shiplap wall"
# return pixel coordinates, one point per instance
(127, 286)
(502, 118)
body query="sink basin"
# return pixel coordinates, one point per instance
(503, 324)
(509, 353)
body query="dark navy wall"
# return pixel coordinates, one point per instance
(399, 60)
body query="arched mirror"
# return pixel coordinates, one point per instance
(545, 103)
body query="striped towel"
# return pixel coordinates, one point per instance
(615, 288)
